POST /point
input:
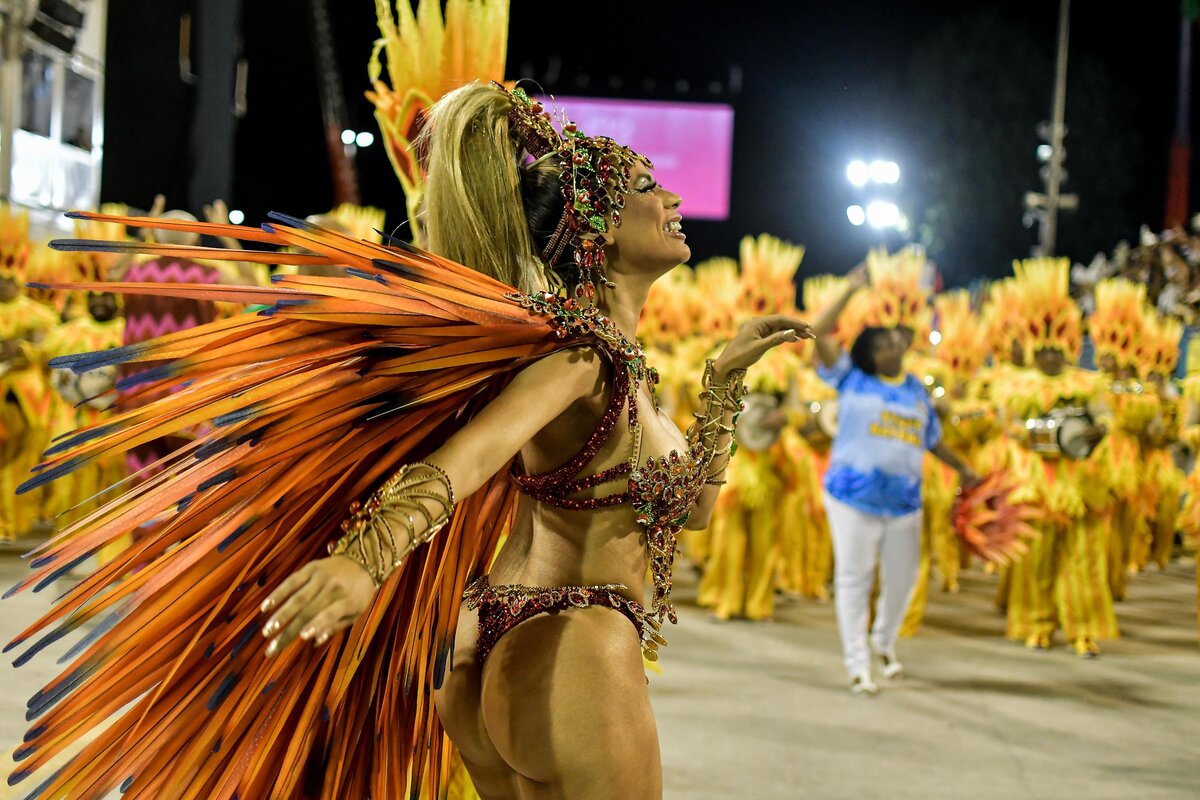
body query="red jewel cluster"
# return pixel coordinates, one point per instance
(662, 494)
(501, 608)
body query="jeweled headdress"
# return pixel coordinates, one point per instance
(594, 173)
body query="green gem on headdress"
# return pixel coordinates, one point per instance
(598, 224)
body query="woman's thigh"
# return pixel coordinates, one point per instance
(565, 703)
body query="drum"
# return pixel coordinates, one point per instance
(827, 417)
(1062, 432)
(751, 432)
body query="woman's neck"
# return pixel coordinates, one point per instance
(623, 302)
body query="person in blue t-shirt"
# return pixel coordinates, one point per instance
(886, 423)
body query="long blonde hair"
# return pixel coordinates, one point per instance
(474, 212)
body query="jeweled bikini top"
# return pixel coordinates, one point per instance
(661, 490)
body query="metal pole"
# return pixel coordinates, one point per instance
(1049, 229)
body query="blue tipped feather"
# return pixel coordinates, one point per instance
(208, 651)
(358, 273)
(42, 561)
(63, 570)
(223, 476)
(85, 362)
(33, 733)
(17, 777)
(222, 692)
(105, 625)
(246, 638)
(22, 753)
(236, 416)
(231, 538)
(394, 268)
(64, 468)
(125, 784)
(46, 701)
(295, 222)
(42, 644)
(161, 372)
(81, 438)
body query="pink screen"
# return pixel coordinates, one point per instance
(690, 144)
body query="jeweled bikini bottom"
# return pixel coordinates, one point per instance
(502, 608)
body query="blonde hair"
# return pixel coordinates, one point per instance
(474, 212)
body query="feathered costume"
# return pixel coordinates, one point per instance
(751, 537)
(29, 408)
(313, 401)
(1063, 580)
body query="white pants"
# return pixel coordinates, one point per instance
(859, 540)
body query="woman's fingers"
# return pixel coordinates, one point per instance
(328, 621)
(301, 620)
(286, 589)
(296, 603)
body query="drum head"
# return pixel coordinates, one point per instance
(827, 417)
(1072, 436)
(751, 433)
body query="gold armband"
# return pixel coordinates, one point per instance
(710, 426)
(401, 503)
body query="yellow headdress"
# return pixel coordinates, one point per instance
(1118, 324)
(963, 344)
(14, 243)
(48, 266)
(999, 321)
(361, 222)
(671, 313)
(820, 292)
(429, 54)
(768, 275)
(94, 267)
(895, 297)
(717, 288)
(1161, 340)
(1041, 300)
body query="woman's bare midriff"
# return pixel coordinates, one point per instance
(515, 751)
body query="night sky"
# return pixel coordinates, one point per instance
(820, 83)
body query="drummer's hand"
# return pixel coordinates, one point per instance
(1095, 434)
(317, 600)
(755, 337)
(775, 420)
(859, 277)
(969, 479)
